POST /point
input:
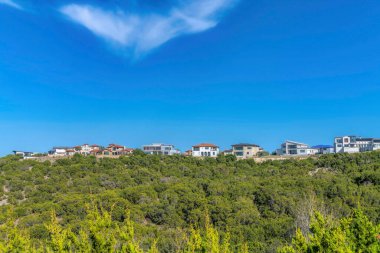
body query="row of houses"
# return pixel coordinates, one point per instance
(86, 149)
(242, 150)
(344, 144)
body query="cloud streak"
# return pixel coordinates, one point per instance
(11, 4)
(141, 33)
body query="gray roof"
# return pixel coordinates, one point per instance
(295, 142)
(246, 144)
(62, 148)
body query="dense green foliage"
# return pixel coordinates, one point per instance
(349, 235)
(257, 206)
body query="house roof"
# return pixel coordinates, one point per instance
(62, 148)
(115, 145)
(364, 139)
(322, 146)
(205, 145)
(295, 142)
(245, 144)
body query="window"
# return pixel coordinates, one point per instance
(302, 151)
(239, 153)
(238, 148)
(213, 153)
(196, 149)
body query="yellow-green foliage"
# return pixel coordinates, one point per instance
(348, 235)
(99, 233)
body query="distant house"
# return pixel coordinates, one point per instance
(128, 151)
(296, 148)
(70, 152)
(59, 151)
(228, 152)
(355, 144)
(246, 150)
(188, 153)
(114, 150)
(85, 149)
(324, 149)
(160, 149)
(24, 154)
(205, 150)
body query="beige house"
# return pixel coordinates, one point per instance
(116, 150)
(246, 150)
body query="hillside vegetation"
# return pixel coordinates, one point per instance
(182, 204)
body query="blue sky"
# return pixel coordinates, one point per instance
(183, 72)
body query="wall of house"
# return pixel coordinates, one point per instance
(205, 152)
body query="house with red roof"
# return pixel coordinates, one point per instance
(117, 150)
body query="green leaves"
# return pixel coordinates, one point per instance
(353, 234)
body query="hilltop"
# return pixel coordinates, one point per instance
(261, 204)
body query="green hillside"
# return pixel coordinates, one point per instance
(177, 202)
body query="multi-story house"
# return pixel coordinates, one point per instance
(160, 149)
(116, 150)
(205, 150)
(355, 144)
(246, 150)
(85, 149)
(296, 148)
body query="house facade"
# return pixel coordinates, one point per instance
(296, 148)
(205, 150)
(355, 144)
(324, 149)
(24, 154)
(160, 149)
(245, 150)
(228, 152)
(116, 150)
(59, 151)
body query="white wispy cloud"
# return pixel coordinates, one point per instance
(143, 32)
(11, 3)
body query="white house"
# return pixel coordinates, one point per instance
(59, 151)
(205, 150)
(355, 144)
(160, 149)
(24, 154)
(296, 148)
(85, 149)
